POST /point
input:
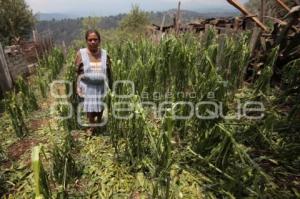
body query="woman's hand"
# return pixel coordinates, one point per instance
(79, 91)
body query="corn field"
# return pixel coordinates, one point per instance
(216, 149)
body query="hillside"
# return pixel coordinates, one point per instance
(69, 29)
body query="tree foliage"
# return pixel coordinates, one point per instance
(16, 20)
(90, 23)
(136, 21)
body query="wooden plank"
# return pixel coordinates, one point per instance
(5, 78)
(282, 4)
(243, 10)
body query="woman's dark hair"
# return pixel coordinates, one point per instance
(88, 32)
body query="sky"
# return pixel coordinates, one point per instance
(113, 7)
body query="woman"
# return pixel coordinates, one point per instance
(93, 67)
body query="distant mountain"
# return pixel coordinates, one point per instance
(187, 15)
(51, 16)
(67, 28)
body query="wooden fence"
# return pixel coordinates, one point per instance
(21, 59)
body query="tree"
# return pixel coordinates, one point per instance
(136, 21)
(16, 20)
(91, 23)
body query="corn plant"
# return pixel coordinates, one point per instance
(29, 101)
(67, 124)
(290, 82)
(41, 183)
(49, 67)
(2, 155)
(163, 159)
(70, 76)
(64, 166)
(114, 124)
(135, 136)
(204, 64)
(264, 81)
(3, 184)
(3, 175)
(16, 114)
(55, 61)
(40, 79)
(42, 86)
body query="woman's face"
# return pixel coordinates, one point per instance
(93, 41)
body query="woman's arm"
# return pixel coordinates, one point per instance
(109, 72)
(78, 64)
(79, 71)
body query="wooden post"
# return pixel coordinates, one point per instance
(34, 36)
(178, 18)
(160, 34)
(37, 43)
(262, 11)
(162, 23)
(5, 77)
(174, 22)
(254, 39)
(236, 25)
